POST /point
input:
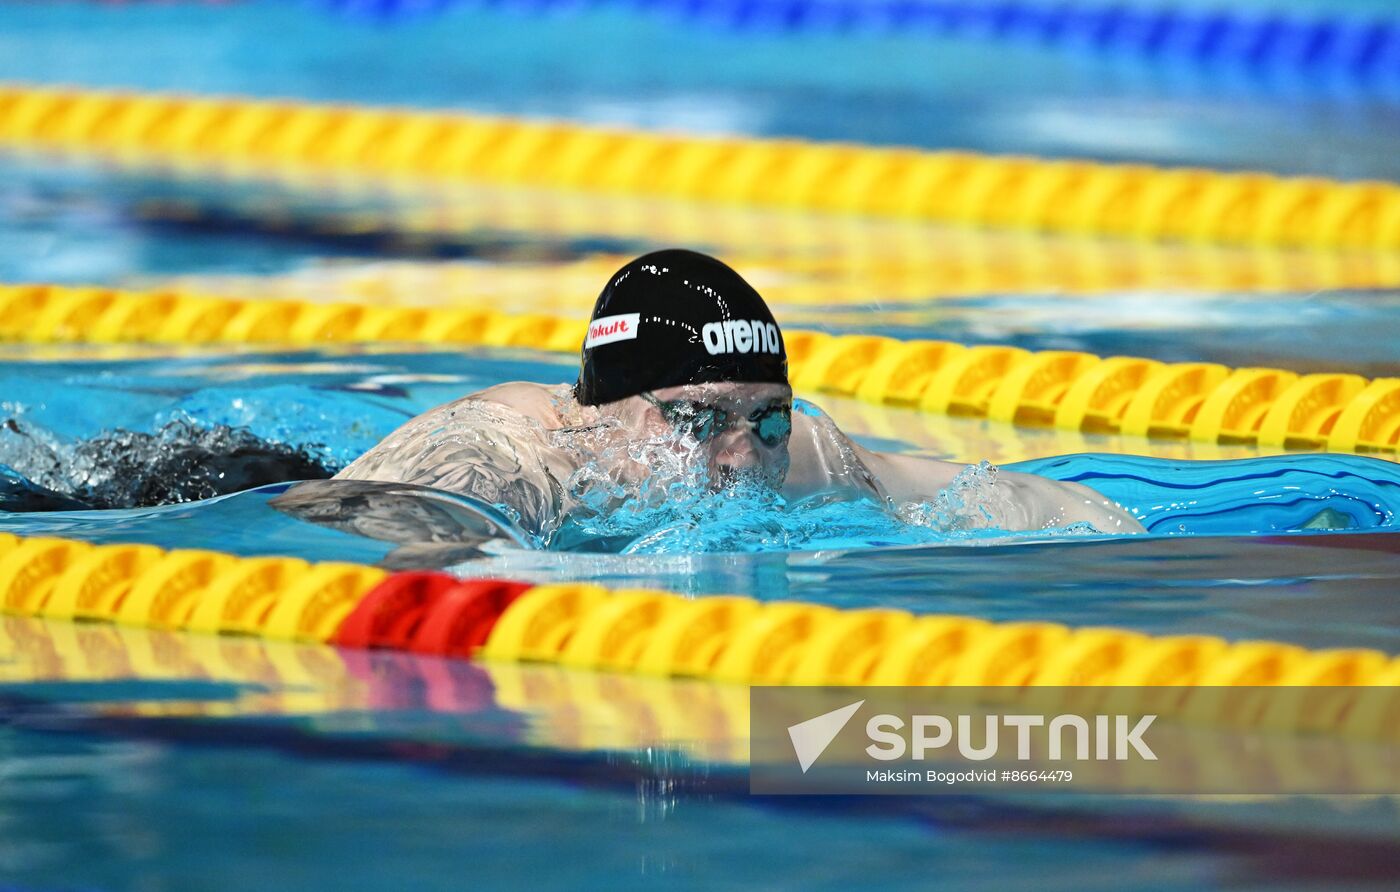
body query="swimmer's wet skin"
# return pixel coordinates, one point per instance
(683, 384)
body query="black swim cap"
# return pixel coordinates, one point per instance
(677, 317)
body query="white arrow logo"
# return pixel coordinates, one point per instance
(811, 738)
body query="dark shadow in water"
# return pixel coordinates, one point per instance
(125, 469)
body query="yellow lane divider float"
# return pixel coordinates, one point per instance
(1270, 408)
(795, 258)
(1021, 192)
(333, 688)
(722, 638)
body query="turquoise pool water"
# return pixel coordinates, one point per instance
(141, 761)
(83, 224)
(173, 781)
(1231, 544)
(428, 796)
(133, 762)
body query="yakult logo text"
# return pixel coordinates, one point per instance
(741, 336)
(607, 329)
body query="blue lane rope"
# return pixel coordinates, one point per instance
(1364, 50)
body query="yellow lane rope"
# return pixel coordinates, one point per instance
(720, 638)
(1020, 192)
(591, 711)
(1270, 408)
(795, 259)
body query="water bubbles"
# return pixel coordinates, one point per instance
(626, 485)
(971, 502)
(684, 514)
(604, 483)
(180, 462)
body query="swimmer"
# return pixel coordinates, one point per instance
(683, 380)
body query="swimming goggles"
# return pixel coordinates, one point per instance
(771, 424)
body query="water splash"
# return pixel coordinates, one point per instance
(625, 487)
(971, 501)
(180, 462)
(676, 508)
(681, 513)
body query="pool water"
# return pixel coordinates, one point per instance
(404, 793)
(69, 418)
(424, 768)
(146, 760)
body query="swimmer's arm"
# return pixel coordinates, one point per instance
(908, 478)
(824, 459)
(1037, 502)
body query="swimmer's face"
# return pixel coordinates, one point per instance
(736, 429)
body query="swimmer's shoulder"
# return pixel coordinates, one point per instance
(822, 459)
(499, 426)
(531, 401)
(550, 405)
(492, 408)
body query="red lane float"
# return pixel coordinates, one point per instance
(427, 613)
(389, 614)
(462, 619)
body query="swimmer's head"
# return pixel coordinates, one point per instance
(682, 350)
(739, 430)
(706, 436)
(674, 318)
